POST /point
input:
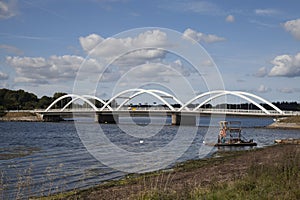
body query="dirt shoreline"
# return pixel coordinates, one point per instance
(20, 117)
(224, 168)
(284, 125)
(287, 123)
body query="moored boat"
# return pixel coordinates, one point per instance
(230, 135)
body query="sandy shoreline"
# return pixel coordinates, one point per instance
(287, 123)
(284, 125)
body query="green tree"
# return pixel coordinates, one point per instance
(63, 102)
(44, 102)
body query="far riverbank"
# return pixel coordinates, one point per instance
(20, 117)
(287, 122)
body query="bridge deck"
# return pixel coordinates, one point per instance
(156, 112)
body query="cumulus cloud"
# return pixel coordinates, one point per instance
(263, 89)
(132, 51)
(39, 70)
(8, 9)
(141, 56)
(293, 27)
(201, 37)
(230, 18)
(89, 42)
(157, 72)
(112, 47)
(261, 72)
(124, 53)
(3, 76)
(286, 65)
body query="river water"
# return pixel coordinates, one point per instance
(43, 158)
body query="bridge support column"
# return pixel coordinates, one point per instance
(107, 118)
(52, 118)
(178, 119)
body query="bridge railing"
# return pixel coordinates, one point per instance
(220, 110)
(163, 109)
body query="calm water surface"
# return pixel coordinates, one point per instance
(50, 157)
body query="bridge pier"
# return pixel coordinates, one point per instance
(188, 120)
(51, 118)
(107, 118)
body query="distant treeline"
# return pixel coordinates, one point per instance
(21, 100)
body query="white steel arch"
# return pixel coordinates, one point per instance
(263, 100)
(140, 91)
(198, 97)
(235, 94)
(87, 96)
(147, 91)
(240, 94)
(157, 93)
(98, 99)
(72, 96)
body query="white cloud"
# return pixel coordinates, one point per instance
(263, 89)
(200, 7)
(130, 51)
(230, 18)
(10, 49)
(263, 24)
(203, 7)
(293, 27)
(136, 50)
(139, 57)
(8, 9)
(261, 72)
(3, 76)
(55, 69)
(288, 90)
(267, 12)
(90, 42)
(201, 37)
(207, 63)
(286, 65)
(155, 72)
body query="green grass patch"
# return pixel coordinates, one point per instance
(278, 180)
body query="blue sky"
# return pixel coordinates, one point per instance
(254, 44)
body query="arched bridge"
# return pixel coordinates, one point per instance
(190, 109)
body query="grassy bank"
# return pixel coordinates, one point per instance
(293, 119)
(269, 173)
